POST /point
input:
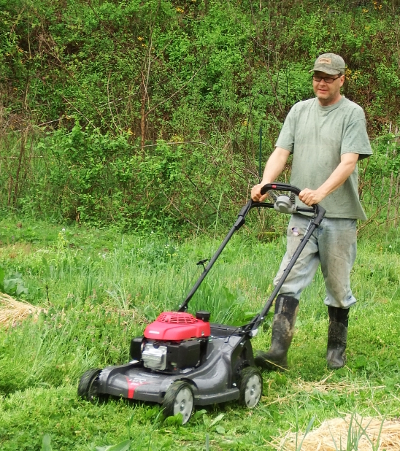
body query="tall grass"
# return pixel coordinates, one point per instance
(100, 288)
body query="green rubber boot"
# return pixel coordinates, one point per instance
(337, 337)
(286, 308)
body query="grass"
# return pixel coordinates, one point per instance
(99, 288)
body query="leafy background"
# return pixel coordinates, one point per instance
(152, 115)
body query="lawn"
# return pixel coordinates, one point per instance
(96, 289)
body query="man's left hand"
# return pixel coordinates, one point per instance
(310, 197)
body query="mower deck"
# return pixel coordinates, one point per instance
(215, 380)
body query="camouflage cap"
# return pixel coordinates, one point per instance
(330, 63)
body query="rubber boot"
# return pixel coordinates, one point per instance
(286, 308)
(337, 337)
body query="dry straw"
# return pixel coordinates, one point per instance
(368, 434)
(13, 312)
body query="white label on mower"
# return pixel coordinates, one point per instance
(154, 332)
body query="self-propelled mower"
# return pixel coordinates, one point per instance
(184, 360)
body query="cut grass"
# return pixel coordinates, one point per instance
(349, 433)
(13, 312)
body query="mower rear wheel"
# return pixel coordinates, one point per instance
(179, 399)
(87, 388)
(250, 389)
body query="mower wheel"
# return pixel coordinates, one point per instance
(179, 399)
(250, 388)
(87, 387)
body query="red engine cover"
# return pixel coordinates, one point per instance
(177, 326)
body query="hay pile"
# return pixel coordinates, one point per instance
(13, 312)
(336, 434)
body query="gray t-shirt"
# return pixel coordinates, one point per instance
(317, 136)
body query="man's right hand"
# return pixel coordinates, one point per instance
(275, 165)
(256, 192)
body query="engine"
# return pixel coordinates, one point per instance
(174, 342)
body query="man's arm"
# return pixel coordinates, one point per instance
(275, 165)
(346, 166)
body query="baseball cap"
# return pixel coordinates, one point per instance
(330, 63)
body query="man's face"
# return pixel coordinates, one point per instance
(328, 89)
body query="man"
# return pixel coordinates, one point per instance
(326, 136)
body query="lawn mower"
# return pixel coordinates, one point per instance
(184, 360)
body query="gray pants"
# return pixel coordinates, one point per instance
(334, 246)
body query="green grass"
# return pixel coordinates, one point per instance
(100, 288)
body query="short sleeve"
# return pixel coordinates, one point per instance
(355, 138)
(287, 134)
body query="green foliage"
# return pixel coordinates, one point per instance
(83, 169)
(99, 178)
(103, 63)
(13, 284)
(123, 446)
(148, 114)
(46, 444)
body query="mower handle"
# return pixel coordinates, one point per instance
(316, 209)
(280, 187)
(318, 214)
(315, 220)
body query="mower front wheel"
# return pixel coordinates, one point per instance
(250, 389)
(179, 399)
(87, 388)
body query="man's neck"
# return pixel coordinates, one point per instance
(330, 102)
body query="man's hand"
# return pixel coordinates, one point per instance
(348, 162)
(310, 197)
(256, 193)
(275, 165)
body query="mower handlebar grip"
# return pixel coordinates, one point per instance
(280, 187)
